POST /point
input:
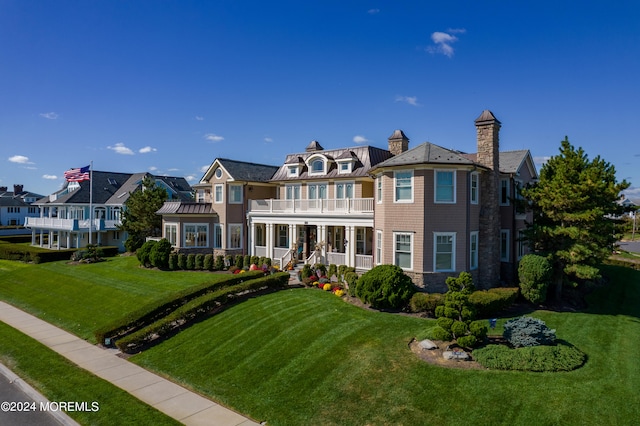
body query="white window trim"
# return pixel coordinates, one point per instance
(522, 244)
(505, 202)
(218, 227)
(293, 171)
(175, 226)
(453, 250)
(379, 189)
(504, 257)
(215, 193)
(473, 255)
(230, 233)
(318, 184)
(395, 242)
(474, 176)
(236, 185)
(349, 164)
(293, 187)
(435, 186)
(379, 247)
(395, 186)
(218, 173)
(312, 159)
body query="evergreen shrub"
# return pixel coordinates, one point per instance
(159, 254)
(534, 274)
(528, 331)
(385, 286)
(488, 303)
(208, 262)
(173, 261)
(191, 261)
(199, 262)
(425, 302)
(144, 253)
(218, 265)
(182, 261)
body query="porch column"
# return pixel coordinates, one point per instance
(252, 238)
(322, 237)
(33, 237)
(50, 242)
(269, 239)
(68, 239)
(351, 247)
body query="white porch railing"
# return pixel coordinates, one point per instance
(70, 224)
(279, 253)
(336, 206)
(261, 251)
(364, 261)
(336, 258)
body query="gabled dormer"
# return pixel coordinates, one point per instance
(345, 162)
(318, 164)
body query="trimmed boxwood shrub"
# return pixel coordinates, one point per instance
(239, 261)
(560, 357)
(182, 261)
(173, 261)
(246, 261)
(196, 309)
(208, 262)
(199, 263)
(534, 273)
(385, 286)
(528, 331)
(133, 243)
(426, 302)
(144, 253)
(488, 303)
(191, 261)
(218, 265)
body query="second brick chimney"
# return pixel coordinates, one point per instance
(398, 142)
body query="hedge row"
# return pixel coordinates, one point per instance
(624, 263)
(196, 309)
(10, 251)
(489, 302)
(153, 311)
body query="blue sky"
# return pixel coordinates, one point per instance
(168, 86)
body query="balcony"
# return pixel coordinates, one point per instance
(56, 224)
(342, 206)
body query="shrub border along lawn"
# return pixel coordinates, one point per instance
(551, 358)
(196, 309)
(58, 379)
(162, 307)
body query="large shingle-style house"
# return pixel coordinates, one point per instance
(433, 211)
(64, 220)
(17, 205)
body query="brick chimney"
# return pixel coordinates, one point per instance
(17, 189)
(488, 129)
(3, 189)
(398, 142)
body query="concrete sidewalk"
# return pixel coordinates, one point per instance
(175, 401)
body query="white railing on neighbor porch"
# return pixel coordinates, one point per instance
(337, 206)
(261, 251)
(70, 224)
(279, 253)
(364, 262)
(336, 258)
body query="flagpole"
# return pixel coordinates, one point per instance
(90, 200)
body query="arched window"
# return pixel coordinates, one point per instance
(317, 166)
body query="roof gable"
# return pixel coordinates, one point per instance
(241, 170)
(427, 153)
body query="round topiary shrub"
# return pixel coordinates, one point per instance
(385, 286)
(199, 262)
(425, 302)
(182, 261)
(534, 273)
(528, 331)
(439, 333)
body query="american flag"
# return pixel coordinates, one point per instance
(77, 175)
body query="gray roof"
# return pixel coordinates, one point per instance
(510, 161)
(249, 172)
(364, 157)
(182, 207)
(427, 153)
(111, 188)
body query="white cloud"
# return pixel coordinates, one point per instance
(373, 11)
(50, 177)
(153, 168)
(540, 161)
(20, 159)
(146, 150)
(49, 115)
(211, 137)
(268, 140)
(204, 168)
(199, 118)
(443, 41)
(120, 148)
(190, 178)
(360, 139)
(173, 169)
(411, 100)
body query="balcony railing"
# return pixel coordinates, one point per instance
(70, 224)
(330, 206)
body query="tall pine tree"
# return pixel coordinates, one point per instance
(575, 214)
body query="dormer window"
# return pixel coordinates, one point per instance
(317, 165)
(345, 166)
(292, 171)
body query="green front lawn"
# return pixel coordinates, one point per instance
(81, 298)
(305, 357)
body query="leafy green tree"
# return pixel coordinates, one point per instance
(139, 218)
(575, 213)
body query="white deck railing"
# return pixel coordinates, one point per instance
(336, 206)
(70, 224)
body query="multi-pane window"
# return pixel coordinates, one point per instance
(196, 235)
(504, 192)
(317, 166)
(379, 189)
(235, 194)
(404, 186)
(378, 247)
(475, 188)
(504, 245)
(360, 240)
(260, 237)
(317, 191)
(402, 250)
(292, 192)
(235, 235)
(444, 252)
(217, 235)
(217, 193)
(283, 236)
(522, 244)
(473, 250)
(344, 190)
(445, 191)
(170, 233)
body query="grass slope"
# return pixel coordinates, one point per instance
(81, 298)
(306, 357)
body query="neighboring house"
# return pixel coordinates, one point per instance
(65, 215)
(433, 211)
(17, 206)
(217, 222)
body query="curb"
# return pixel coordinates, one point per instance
(60, 416)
